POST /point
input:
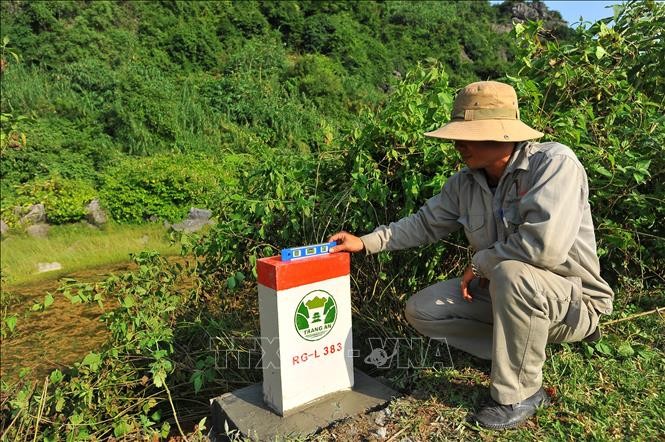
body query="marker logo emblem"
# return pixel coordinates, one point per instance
(315, 315)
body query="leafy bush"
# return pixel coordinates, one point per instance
(164, 186)
(62, 135)
(287, 17)
(319, 78)
(193, 46)
(273, 205)
(53, 147)
(64, 199)
(253, 96)
(461, 35)
(11, 136)
(142, 116)
(393, 165)
(290, 200)
(342, 38)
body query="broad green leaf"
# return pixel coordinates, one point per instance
(92, 360)
(600, 52)
(10, 321)
(625, 350)
(56, 376)
(48, 300)
(519, 28)
(197, 379)
(165, 429)
(121, 428)
(603, 348)
(601, 170)
(159, 378)
(128, 301)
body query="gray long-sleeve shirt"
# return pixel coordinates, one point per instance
(538, 214)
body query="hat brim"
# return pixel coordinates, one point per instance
(486, 130)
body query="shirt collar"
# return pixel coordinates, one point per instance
(520, 157)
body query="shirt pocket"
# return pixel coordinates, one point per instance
(473, 228)
(511, 215)
(472, 223)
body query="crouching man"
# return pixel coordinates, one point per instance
(534, 277)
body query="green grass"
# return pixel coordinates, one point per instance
(78, 247)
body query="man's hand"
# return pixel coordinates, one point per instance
(346, 243)
(467, 277)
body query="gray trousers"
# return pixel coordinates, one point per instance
(509, 322)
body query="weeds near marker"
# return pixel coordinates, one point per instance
(77, 402)
(156, 372)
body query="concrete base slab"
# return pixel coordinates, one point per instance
(244, 410)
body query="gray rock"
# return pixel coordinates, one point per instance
(537, 10)
(36, 214)
(194, 222)
(380, 418)
(95, 215)
(48, 266)
(190, 225)
(38, 230)
(203, 214)
(3, 227)
(381, 432)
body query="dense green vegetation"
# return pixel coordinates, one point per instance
(98, 81)
(291, 121)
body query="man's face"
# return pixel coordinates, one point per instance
(483, 154)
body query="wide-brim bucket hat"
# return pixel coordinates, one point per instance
(486, 111)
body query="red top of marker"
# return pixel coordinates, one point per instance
(281, 275)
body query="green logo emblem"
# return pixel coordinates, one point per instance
(315, 315)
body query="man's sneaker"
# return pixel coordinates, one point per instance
(499, 417)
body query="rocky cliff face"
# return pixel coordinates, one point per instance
(535, 10)
(520, 11)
